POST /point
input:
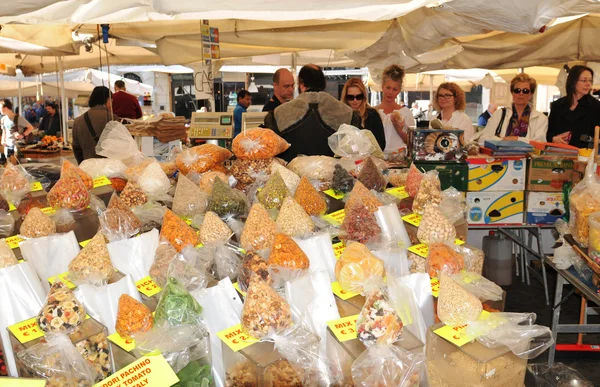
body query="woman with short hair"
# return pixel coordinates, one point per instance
(354, 95)
(521, 121)
(577, 114)
(14, 127)
(450, 101)
(88, 127)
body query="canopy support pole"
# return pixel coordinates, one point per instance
(430, 107)
(63, 100)
(20, 99)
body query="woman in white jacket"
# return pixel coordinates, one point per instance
(521, 120)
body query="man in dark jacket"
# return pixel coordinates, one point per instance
(307, 121)
(50, 124)
(283, 89)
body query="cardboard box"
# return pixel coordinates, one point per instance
(544, 207)
(451, 174)
(496, 174)
(549, 173)
(496, 207)
(578, 171)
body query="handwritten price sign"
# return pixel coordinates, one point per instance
(236, 338)
(398, 192)
(341, 293)
(13, 241)
(27, 330)
(101, 181)
(413, 219)
(331, 192)
(344, 329)
(435, 287)
(338, 249)
(458, 335)
(36, 186)
(335, 218)
(147, 287)
(127, 344)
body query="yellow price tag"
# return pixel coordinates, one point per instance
(11, 207)
(435, 287)
(101, 181)
(36, 186)
(27, 330)
(22, 382)
(413, 219)
(344, 329)
(331, 192)
(64, 278)
(187, 221)
(458, 335)
(84, 243)
(127, 344)
(341, 293)
(235, 338)
(335, 218)
(398, 192)
(338, 249)
(237, 287)
(48, 211)
(147, 287)
(421, 250)
(13, 241)
(148, 371)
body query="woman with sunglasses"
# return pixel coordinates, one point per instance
(520, 121)
(396, 118)
(354, 95)
(577, 114)
(450, 101)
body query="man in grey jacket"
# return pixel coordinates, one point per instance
(88, 127)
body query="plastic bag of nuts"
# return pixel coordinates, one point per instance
(92, 264)
(246, 171)
(310, 199)
(435, 227)
(293, 220)
(7, 257)
(214, 230)
(430, 191)
(253, 264)
(259, 230)
(287, 254)
(69, 193)
(87, 179)
(132, 317)
(456, 306)
(118, 221)
(189, 199)
(273, 193)
(177, 232)
(132, 195)
(258, 143)
(165, 253)
(37, 224)
(201, 158)
(14, 183)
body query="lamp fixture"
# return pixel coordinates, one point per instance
(252, 87)
(180, 91)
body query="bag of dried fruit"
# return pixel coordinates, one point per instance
(343, 181)
(413, 180)
(201, 158)
(356, 267)
(61, 312)
(92, 264)
(69, 193)
(87, 179)
(59, 362)
(132, 317)
(456, 306)
(584, 200)
(15, 183)
(370, 176)
(258, 143)
(387, 365)
(430, 192)
(226, 201)
(118, 221)
(360, 224)
(378, 323)
(435, 227)
(177, 232)
(313, 202)
(444, 258)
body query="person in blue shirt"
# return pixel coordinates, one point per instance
(244, 99)
(486, 115)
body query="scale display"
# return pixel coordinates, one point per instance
(211, 125)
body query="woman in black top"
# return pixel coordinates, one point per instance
(573, 118)
(354, 95)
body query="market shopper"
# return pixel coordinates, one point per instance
(396, 118)
(88, 127)
(307, 121)
(244, 100)
(283, 89)
(520, 121)
(50, 124)
(450, 101)
(485, 116)
(573, 117)
(354, 95)
(14, 127)
(125, 105)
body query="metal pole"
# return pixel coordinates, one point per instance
(63, 100)
(430, 107)
(19, 101)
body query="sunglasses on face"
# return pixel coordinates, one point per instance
(519, 91)
(358, 97)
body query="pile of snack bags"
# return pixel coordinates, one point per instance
(251, 242)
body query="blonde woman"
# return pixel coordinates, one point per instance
(520, 121)
(450, 101)
(396, 118)
(354, 95)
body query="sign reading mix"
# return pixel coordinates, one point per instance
(149, 371)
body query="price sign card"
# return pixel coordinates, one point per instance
(148, 371)
(335, 218)
(338, 249)
(341, 293)
(398, 192)
(236, 338)
(413, 219)
(147, 287)
(331, 192)
(458, 335)
(127, 344)
(344, 329)
(101, 181)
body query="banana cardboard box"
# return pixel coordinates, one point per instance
(496, 207)
(544, 207)
(496, 174)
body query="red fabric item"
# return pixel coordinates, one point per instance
(126, 105)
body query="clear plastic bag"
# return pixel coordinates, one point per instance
(350, 142)
(7, 257)
(456, 306)
(177, 232)
(478, 286)
(92, 264)
(7, 224)
(472, 256)
(371, 176)
(377, 152)
(61, 312)
(258, 143)
(315, 168)
(201, 158)
(430, 192)
(259, 230)
(69, 193)
(319, 251)
(378, 323)
(134, 256)
(356, 267)
(165, 253)
(584, 200)
(435, 227)
(132, 195)
(85, 178)
(362, 194)
(514, 330)
(116, 142)
(413, 180)
(151, 214)
(453, 205)
(213, 229)
(290, 179)
(118, 221)
(343, 182)
(58, 361)
(310, 199)
(132, 317)
(14, 183)
(207, 180)
(189, 199)
(226, 201)
(155, 183)
(557, 375)
(392, 226)
(63, 219)
(226, 260)
(273, 193)
(287, 254)
(190, 269)
(360, 225)
(403, 296)
(444, 258)
(293, 220)
(387, 365)
(103, 167)
(565, 256)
